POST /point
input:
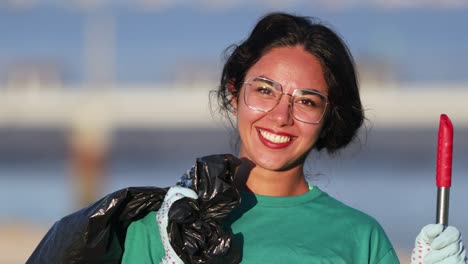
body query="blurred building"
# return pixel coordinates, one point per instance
(376, 72)
(33, 75)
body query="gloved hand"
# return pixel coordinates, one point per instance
(175, 193)
(436, 244)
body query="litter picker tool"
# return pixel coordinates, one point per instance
(444, 169)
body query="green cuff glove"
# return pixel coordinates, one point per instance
(436, 244)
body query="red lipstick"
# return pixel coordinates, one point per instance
(271, 144)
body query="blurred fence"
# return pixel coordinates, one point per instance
(179, 106)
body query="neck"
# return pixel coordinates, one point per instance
(274, 183)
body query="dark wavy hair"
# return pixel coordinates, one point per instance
(345, 114)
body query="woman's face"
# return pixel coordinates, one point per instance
(274, 140)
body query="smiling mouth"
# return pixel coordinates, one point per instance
(274, 138)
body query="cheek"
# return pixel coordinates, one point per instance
(246, 119)
(243, 116)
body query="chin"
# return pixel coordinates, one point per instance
(279, 165)
(274, 162)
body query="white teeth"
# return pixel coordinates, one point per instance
(274, 138)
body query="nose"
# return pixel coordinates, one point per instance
(281, 113)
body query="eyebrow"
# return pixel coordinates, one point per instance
(308, 89)
(314, 91)
(270, 80)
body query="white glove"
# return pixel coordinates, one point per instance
(436, 244)
(175, 193)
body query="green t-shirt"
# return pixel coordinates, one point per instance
(309, 228)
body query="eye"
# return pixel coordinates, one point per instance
(309, 102)
(264, 90)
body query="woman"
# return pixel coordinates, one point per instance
(290, 88)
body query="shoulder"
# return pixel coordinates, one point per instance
(333, 207)
(143, 243)
(363, 229)
(145, 227)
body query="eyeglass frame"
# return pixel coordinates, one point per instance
(290, 106)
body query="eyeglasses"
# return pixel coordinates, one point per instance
(262, 94)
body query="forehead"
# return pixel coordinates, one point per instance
(292, 67)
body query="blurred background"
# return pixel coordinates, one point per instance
(100, 95)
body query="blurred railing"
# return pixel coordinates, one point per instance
(179, 107)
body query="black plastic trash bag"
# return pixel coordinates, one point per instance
(195, 226)
(96, 234)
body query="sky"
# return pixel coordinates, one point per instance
(162, 41)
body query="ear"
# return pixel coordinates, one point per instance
(234, 105)
(234, 94)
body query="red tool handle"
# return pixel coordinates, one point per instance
(444, 152)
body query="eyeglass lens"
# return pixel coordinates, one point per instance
(263, 95)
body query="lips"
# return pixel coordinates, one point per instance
(274, 140)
